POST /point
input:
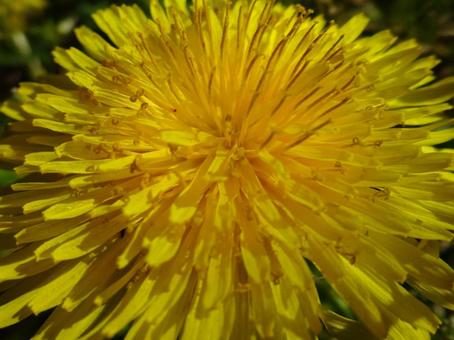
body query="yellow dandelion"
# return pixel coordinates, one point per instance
(182, 179)
(13, 13)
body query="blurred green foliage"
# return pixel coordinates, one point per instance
(27, 55)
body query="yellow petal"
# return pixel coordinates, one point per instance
(61, 211)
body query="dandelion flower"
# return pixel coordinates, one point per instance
(184, 176)
(13, 13)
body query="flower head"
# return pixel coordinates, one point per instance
(181, 178)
